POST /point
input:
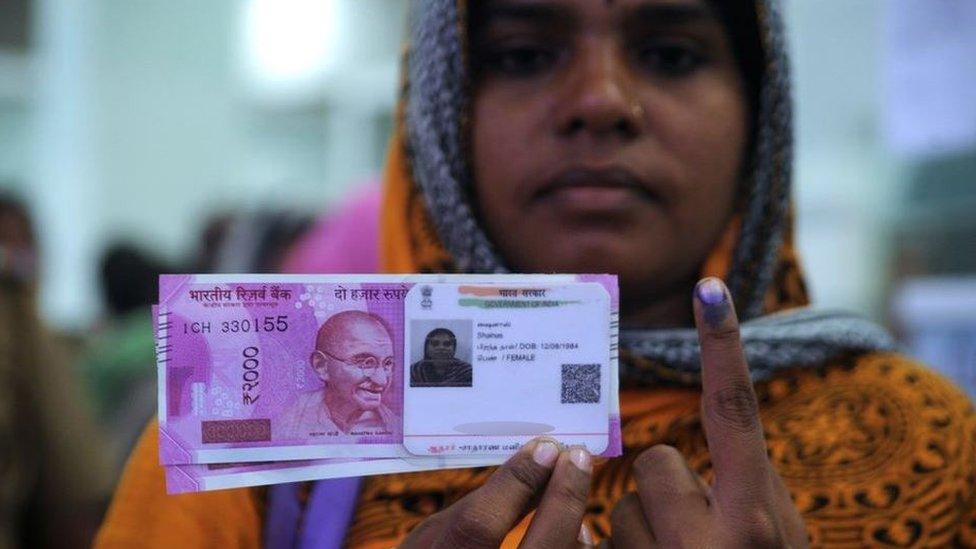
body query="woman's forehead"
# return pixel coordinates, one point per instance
(578, 14)
(583, 7)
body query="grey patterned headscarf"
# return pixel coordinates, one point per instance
(436, 104)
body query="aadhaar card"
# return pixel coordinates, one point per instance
(261, 368)
(491, 366)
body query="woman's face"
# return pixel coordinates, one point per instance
(440, 346)
(607, 136)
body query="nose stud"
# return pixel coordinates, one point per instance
(637, 110)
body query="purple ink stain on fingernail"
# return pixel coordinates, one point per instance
(711, 292)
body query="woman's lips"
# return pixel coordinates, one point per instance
(594, 198)
(603, 190)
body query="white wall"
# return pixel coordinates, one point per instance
(136, 132)
(847, 185)
(14, 141)
(145, 125)
(15, 119)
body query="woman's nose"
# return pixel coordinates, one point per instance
(600, 99)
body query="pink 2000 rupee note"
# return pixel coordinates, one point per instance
(181, 479)
(271, 368)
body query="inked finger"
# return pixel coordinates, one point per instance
(484, 517)
(730, 411)
(629, 528)
(558, 519)
(792, 521)
(671, 495)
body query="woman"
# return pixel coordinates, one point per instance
(651, 139)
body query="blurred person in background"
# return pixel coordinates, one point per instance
(53, 478)
(17, 241)
(120, 362)
(250, 242)
(212, 236)
(651, 139)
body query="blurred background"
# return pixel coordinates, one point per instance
(139, 137)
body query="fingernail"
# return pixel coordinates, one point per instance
(585, 536)
(711, 292)
(545, 453)
(581, 459)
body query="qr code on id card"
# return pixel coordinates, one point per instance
(581, 383)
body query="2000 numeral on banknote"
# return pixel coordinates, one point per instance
(270, 368)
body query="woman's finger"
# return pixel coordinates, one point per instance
(670, 495)
(585, 538)
(558, 519)
(792, 521)
(730, 409)
(484, 517)
(629, 527)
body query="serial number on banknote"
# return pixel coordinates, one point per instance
(245, 325)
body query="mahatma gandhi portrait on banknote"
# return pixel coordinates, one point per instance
(443, 363)
(354, 359)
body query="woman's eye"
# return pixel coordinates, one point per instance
(671, 60)
(520, 61)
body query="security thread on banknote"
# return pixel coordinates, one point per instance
(270, 368)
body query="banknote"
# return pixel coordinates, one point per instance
(181, 479)
(272, 368)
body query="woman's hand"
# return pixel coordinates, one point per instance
(539, 473)
(748, 506)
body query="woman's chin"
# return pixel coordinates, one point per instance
(597, 256)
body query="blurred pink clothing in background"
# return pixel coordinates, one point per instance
(345, 240)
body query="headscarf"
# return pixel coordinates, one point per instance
(429, 223)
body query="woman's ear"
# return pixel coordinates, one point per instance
(320, 364)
